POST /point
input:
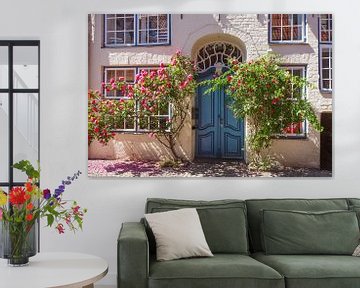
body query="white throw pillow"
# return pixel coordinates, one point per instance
(178, 234)
(357, 251)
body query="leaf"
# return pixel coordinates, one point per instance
(26, 167)
(50, 219)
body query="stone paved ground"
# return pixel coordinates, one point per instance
(116, 168)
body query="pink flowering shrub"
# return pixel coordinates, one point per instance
(106, 115)
(159, 100)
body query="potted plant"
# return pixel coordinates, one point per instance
(21, 208)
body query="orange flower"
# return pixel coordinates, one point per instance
(29, 217)
(29, 187)
(29, 206)
(27, 196)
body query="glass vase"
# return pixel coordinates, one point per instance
(18, 242)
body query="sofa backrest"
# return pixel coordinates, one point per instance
(223, 221)
(256, 205)
(353, 202)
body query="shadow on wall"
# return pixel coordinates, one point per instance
(131, 147)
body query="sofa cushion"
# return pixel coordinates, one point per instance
(356, 209)
(223, 221)
(353, 201)
(222, 270)
(254, 217)
(297, 232)
(178, 234)
(314, 271)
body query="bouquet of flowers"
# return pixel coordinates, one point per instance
(21, 208)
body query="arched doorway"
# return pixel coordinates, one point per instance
(219, 134)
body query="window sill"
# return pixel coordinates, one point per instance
(290, 137)
(325, 91)
(133, 45)
(288, 43)
(133, 132)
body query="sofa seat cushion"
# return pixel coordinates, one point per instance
(222, 270)
(315, 271)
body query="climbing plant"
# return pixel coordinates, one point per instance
(269, 97)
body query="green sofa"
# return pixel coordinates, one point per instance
(234, 232)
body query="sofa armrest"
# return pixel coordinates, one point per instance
(133, 256)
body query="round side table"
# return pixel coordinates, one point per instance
(50, 270)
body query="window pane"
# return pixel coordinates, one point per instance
(324, 36)
(142, 37)
(120, 25)
(129, 23)
(297, 33)
(4, 137)
(130, 76)
(110, 25)
(325, 73)
(4, 68)
(276, 19)
(276, 33)
(109, 75)
(286, 19)
(297, 72)
(325, 52)
(25, 130)
(26, 73)
(110, 38)
(120, 38)
(326, 84)
(296, 19)
(163, 23)
(129, 37)
(142, 22)
(286, 33)
(153, 22)
(325, 63)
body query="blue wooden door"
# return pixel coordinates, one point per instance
(219, 133)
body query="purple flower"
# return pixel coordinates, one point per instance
(58, 192)
(46, 194)
(68, 181)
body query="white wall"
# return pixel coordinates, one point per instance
(62, 28)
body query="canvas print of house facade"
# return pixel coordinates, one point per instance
(133, 113)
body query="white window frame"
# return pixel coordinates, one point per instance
(330, 68)
(303, 34)
(137, 69)
(109, 68)
(328, 19)
(138, 30)
(304, 125)
(106, 17)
